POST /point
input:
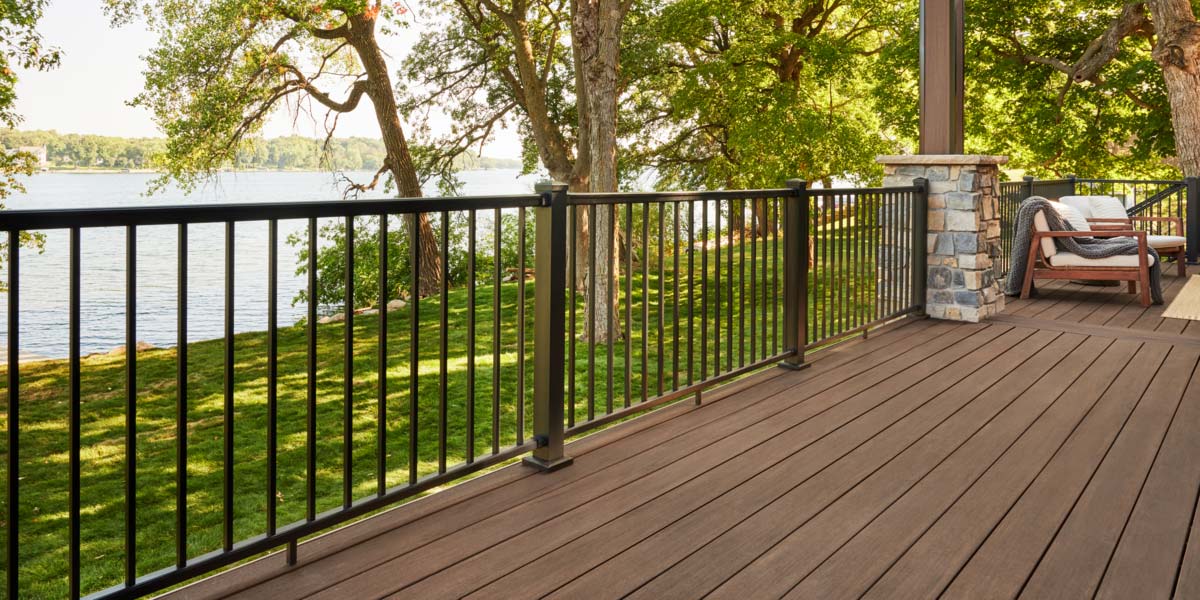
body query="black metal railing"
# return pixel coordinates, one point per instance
(229, 448)
(1179, 199)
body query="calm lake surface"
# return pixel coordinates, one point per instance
(44, 277)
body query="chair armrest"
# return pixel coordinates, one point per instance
(1098, 233)
(1176, 221)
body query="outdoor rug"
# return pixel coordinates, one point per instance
(1187, 304)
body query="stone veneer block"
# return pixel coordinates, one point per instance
(963, 235)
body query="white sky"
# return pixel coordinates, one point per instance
(102, 69)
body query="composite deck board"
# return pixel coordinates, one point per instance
(1079, 556)
(712, 421)
(1149, 554)
(1049, 453)
(928, 477)
(854, 451)
(857, 566)
(791, 459)
(523, 507)
(827, 410)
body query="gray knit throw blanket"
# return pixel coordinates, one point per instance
(1087, 247)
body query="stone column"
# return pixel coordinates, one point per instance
(964, 230)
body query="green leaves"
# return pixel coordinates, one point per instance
(750, 93)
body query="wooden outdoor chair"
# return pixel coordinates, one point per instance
(1046, 261)
(1108, 213)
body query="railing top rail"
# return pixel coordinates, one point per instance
(1132, 181)
(20, 220)
(586, 198)
(862, 191)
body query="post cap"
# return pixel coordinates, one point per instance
(797, 184)
(544, 186)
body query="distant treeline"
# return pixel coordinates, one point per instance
(72, 150)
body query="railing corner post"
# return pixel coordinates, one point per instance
(1028, 189)
(550, 328)
(920, 245)
(795, 274)
(1193, 219)
(1073, 183)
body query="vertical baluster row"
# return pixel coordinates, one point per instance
(572, 332)
(272, 370)
(130, 405)
(521, 249)
(675, 295)
(496, 277)
(382, 348)
(444, 344)
(716, 285)
(593, 239)
(703, 290)
(691, 292)
(414, 304)
(645, 300)
(470, 421)
(628, 303)
(661, 300)
(348, 372)
(13, 517)
(73, 353)
(311, 408)
(610, 314)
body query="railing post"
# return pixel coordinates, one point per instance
(920, 244)
(1192, 219)
(1073, 181)
(1028, 190)
(549, 327)
(795, 274)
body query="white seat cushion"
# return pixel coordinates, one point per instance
(1069, 214)
(1165, 241)
(1067, 259)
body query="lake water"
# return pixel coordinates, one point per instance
(44, 277)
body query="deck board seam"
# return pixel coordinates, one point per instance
(1117, 333)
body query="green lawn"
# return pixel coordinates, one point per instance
(44, 410)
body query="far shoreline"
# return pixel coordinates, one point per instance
(156, 172)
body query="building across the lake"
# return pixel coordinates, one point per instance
(39, 152)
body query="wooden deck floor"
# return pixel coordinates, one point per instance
(1050, 453)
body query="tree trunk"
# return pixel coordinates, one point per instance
(399, 158)
(1177, 51)
(596, 31)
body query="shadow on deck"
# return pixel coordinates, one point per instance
(1048, 453)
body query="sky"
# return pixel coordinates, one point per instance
(101, 71)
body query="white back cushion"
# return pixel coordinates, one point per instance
(1081, 204)
(1107, 207)
(1040, 224)
(1069, 214)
